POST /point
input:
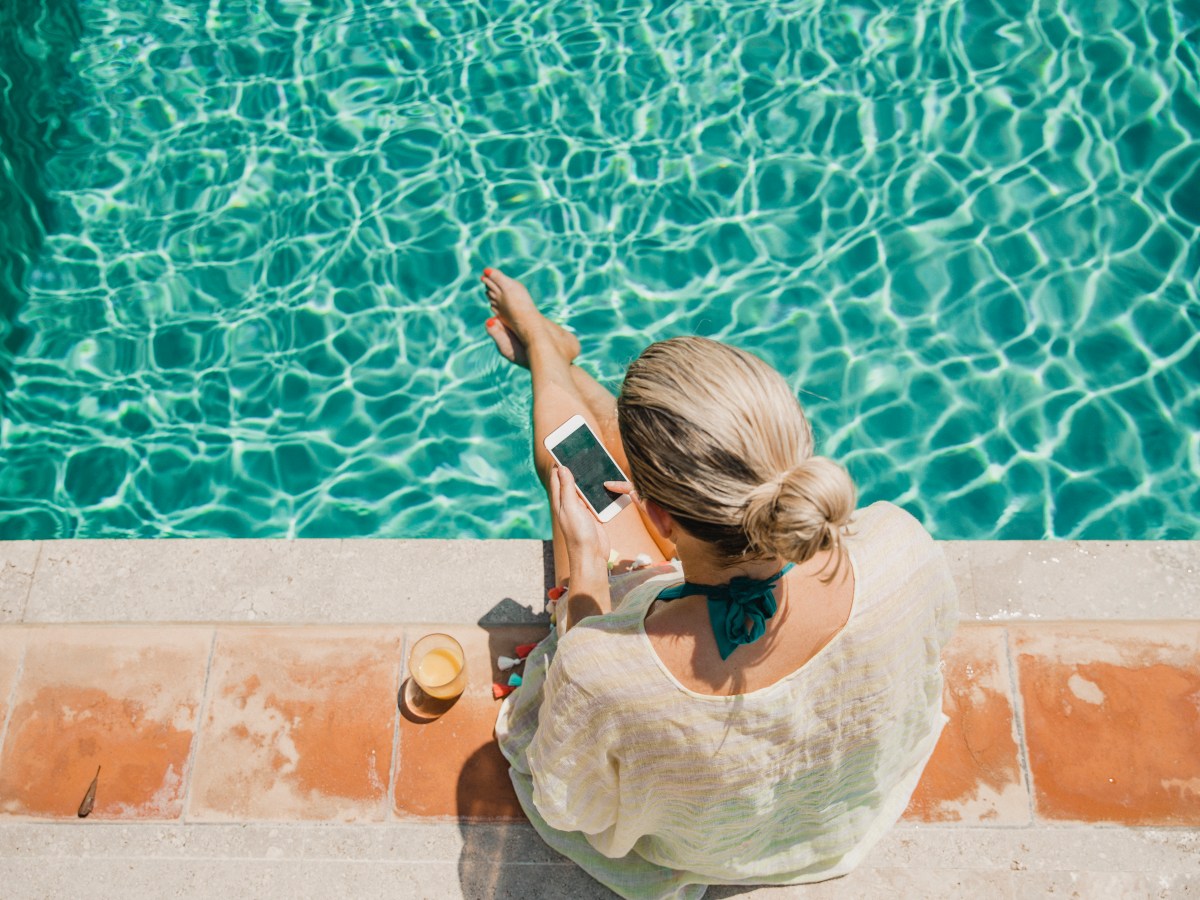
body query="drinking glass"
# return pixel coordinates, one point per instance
(439, 672)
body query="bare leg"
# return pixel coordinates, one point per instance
(548, 350)
(596, 398)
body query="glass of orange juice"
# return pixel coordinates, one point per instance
(438, 666)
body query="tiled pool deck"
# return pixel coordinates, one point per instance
(240, 699)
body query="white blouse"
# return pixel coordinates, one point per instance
(657, 790)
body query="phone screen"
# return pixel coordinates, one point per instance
(590, 464)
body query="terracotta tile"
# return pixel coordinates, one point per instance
(299, 724)
(12, 650)
(125, 699)
(451, 766)
(1112, 720)
(975, 773)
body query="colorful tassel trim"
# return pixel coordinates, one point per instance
(500, 691)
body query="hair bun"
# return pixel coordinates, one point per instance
(801, 511)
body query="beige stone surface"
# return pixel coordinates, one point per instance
(1041, 848)
(154, 581)
(958, 556)
(1105, 885)
(1081, 848)
(869, 883)
(439, 581)
(1086, 579)
(335, 581)
(18, 560)
(458, 860)
(502, 582)
(266, 879)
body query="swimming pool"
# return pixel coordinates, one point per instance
(241, 238)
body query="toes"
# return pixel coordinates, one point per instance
(507, 343)
(497, 277)
(497, 332)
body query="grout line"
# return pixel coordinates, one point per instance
(203, 708)
(1019, 723)
(12, 693)
(32, 578)
(389, 808)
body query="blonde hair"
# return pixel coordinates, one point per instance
(715, 437)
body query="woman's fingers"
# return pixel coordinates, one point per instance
(566, 487)
(563, 495)
(571, 509)
(619, 487)
(556, 490)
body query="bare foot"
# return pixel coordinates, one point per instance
(507, 343)
(518, 321)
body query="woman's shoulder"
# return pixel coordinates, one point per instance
(885, 536)
(631, 590)
(884, 521)
(600, 644)
(897, 560)
(604, 655)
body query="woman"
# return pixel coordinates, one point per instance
(757, 712)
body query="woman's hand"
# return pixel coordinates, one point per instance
(621, 487)
(587, 552)
(584, 534)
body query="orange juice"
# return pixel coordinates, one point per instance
(438, 672)
(438, 667)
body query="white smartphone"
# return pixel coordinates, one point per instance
(575, 446)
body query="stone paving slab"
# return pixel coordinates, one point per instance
(1085, 579)
(286, 723)
(1045, 847)
(299, 724)
(337, 581)
(452, 766)
(127, 698)
(18, 560)
(1112, 720)
(12, 657)
(958, 557)
(472, 861)
(949, 847)
(503, 582)
(975, 775)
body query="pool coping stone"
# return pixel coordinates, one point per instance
(466, 860)
(503, 582)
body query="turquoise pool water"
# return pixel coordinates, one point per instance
(239, 243)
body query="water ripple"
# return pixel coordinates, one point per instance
(969, 239)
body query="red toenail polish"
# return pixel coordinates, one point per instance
(487, 272)
(491, 321)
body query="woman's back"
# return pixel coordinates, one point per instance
(811, 614)
(785, 782)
